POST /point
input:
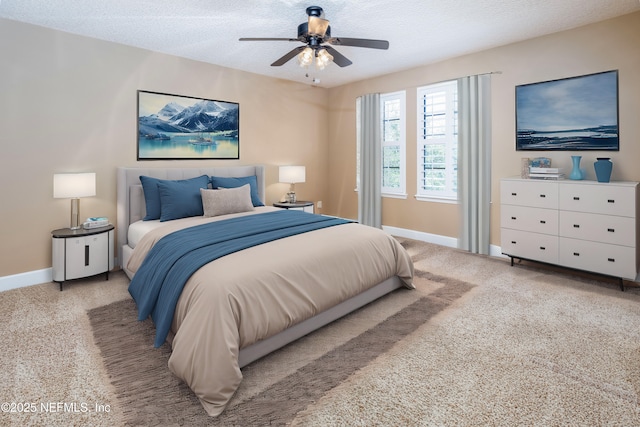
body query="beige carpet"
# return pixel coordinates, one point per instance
(524, 347)
(148, 391)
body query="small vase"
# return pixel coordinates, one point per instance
(603, 167)
(576, 172)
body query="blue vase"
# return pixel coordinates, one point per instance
(576, 172)
(603, 167)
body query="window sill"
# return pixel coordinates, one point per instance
(395, 195)
(435, 199)
(390, 195)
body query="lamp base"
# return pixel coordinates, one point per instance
(291, 197)
(75, 214)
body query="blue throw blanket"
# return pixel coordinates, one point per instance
(159, 281)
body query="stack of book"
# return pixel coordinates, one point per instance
(545, 173)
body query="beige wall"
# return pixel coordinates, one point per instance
(68, 104)
(608, 45)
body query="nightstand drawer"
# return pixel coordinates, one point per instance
(87, 256)
(525, 218)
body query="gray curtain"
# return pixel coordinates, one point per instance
(369, 141)
(474, 162)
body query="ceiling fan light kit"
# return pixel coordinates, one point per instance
(321, 56)
(316, 35)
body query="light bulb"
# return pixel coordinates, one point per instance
(323, 59)
(305, 57)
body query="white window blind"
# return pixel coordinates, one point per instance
(393, 111)
(437, 144)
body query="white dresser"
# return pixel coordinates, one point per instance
(586, 225)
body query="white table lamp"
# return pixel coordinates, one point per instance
(292, 175)
(73, 186)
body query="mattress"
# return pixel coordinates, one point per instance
(139, 229)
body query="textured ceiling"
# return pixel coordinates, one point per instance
(419, 31)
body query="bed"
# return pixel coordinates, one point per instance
(245, 303)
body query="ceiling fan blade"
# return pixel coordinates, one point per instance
(260, 39)
(288, 56)
(317, 26)
(338, 58)
(345, 41)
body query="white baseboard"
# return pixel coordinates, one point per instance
(451, 242)
(26, 279)
(30, 278)
(437, 239)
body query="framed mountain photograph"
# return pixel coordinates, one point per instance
(173, 127)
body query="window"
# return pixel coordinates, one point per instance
(392, 115)
(438, 142)
(393, 157)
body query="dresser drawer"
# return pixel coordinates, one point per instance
(613, 260)
(616, 230)
(533, 246)
(529, 219)
(607, 199)
(538, 194)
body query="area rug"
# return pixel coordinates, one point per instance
(279, 386)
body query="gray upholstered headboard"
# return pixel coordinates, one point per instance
(131, 206)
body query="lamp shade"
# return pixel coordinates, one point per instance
(74, 185)
(292, 174)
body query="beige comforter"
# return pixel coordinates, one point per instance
(251, 295)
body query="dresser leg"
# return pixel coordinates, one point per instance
(621, 284)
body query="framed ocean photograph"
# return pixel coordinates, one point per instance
(174, 127)
(572, 114)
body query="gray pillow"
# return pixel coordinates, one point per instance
(226, 200)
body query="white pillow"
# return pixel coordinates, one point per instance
(226, 201)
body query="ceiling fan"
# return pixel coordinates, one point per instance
(316, 36)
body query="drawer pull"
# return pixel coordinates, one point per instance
(611, 259)
(576, 225)
(542, 221)
(576, 198)
(611, 230)
(542, 248)
(86, 255)
(513, 242)
(611, 201)
(514, 194)
(513, 217)
(543, 195)
(576, 254)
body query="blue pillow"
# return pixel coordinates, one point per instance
(226, 182)
(181, 199)
(151, 197)
(152, 194)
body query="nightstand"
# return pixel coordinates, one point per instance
(300, 205)
(82, 253)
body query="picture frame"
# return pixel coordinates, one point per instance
(176, 127)
(572, 114)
